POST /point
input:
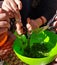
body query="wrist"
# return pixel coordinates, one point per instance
(40, 21)
(43, 20)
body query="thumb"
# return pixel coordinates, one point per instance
(28, 23)
(29, 27)
(28, 20)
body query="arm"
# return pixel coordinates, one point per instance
(47, 9)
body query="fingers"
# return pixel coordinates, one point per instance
(2, 36)
(32, 24)
(11, 15)
(19, 28)
(8, 9)
(29, 27)
(4, 24)
(19, 3)
(28, 20)
(3, 30)
(8, 5)
(3, 16)
(55, 25)
(17, 17)
(1, 10)
(4, 7)
(12, 6)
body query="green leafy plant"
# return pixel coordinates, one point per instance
(38, 44)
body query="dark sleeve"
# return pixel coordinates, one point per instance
(49, 8)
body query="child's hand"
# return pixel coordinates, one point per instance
(33, 24)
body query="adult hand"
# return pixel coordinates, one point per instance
(4, 22)
(19, 25)
(12, 6)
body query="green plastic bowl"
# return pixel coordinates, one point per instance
(50, 37)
